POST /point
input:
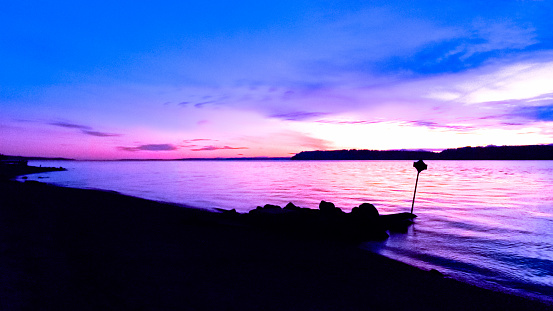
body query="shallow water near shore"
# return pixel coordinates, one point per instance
(484, 222)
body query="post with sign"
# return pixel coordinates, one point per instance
(420, 166)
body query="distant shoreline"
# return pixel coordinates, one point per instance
(529, 152)
(9, 171)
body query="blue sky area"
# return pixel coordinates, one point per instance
(122, 79)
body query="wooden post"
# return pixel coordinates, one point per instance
(420, 166)
(414, 193)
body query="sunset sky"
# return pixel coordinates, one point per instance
(160, 79)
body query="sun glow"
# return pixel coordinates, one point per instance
(401, 135)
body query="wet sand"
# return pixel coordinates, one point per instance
(74, 249)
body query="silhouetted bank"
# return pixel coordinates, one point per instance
(20, 158)
(10, 168)
(531, 152)
(75, 249)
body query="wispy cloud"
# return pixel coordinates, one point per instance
(298, 115)
(297, 140)
(471, 47)
(84, 129)
(71, 125)
(150, 147)
(536, 113)
(202, 139)
(436, 125)
(100, 134)
(212, 148)
(196, 143)
(348, 121)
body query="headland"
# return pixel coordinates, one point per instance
(529, 152)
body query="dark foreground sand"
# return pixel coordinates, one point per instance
(71, 249)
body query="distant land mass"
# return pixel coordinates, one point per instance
(529, 152)
(4, 158)
(211, 159)
(21, 158)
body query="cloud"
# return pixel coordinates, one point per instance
(71, 125)
(212, 148)
(290, 140)
(498, 36)
(348, 121)
(84, 129)
(538, 113)
(100, 134)
(201, 104)
(193, 143)
(150, 147)
(202, 139)
(298, 115)
(436, 125)
(471, 47)
(515, 112)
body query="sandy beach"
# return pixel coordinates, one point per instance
(74, 249)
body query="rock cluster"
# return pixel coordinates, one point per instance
(328, 222)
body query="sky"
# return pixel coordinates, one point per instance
(180, 79)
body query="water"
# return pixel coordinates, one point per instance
(489, 223)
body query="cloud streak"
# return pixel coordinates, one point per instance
(84, 129)
(298, 115)
(213, 148)
(150, 147)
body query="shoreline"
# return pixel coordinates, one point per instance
(11, 171)
(67, 248)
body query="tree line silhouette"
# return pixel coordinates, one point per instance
(529, 152)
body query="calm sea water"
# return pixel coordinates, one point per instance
(489, 223)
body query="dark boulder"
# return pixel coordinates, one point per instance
(292, 207)
(329, 208)
(325, 206)
(257, 210)
(365, 211)
(397, 222)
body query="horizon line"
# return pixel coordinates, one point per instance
(433, 150)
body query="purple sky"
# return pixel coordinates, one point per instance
(109, 80)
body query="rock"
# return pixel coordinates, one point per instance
(328, 208)
(365, 211)
(292, 207)
(399, 222)
(270, 206)
(222, 210)
(325, 206)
